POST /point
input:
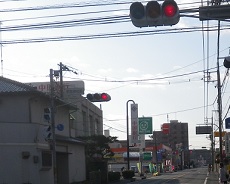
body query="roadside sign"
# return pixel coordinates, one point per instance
(203, 129)
(147, 156)
(145, 125)
(217, 134)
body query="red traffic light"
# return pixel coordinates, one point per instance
(170, 10)
(104, 96)
(98, 97)
(154, 14)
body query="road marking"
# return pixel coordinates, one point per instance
(206, 179)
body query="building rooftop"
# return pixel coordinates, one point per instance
(11, 86)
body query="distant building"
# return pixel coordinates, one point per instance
(175, 135)
(200, 157)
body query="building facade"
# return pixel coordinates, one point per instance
(175, 135)
(25, 153)
(87, 120)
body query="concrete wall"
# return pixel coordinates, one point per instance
(22, 142)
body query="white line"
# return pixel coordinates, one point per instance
(206, 179)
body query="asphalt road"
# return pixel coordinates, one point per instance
(188, 176)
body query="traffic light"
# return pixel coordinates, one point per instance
(227, 62)
(220, 12)
(47, 132)
(98, 97)
(154, 14)
(47, 114)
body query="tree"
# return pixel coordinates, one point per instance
(97, 147)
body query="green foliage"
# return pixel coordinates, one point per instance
(127, 174)
(114, 176)
(97, 146)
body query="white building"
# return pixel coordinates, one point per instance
(25, 155)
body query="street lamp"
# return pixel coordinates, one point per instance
(127, 121)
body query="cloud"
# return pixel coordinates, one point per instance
(131, 70)
(104, 71)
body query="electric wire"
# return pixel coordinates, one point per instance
(109, 35)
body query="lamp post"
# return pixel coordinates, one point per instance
(127, 121)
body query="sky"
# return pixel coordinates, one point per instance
(163, 72)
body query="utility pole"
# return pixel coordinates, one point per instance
(219, 100)
(53, 141)
(61, 81)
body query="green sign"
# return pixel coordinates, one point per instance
(145, 125)
(147, 156)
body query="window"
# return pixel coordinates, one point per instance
(97, 124)
(91, 124)
(46, 159)
(85, 131)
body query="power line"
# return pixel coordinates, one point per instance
(74, 5)
(110, 35)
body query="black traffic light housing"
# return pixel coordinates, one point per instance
(219, 12)
(98, 97)
(154, 14)
(47, 114)
(47, 132)
(227, 62)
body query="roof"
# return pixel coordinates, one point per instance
(9, 87)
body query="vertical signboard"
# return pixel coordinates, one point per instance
(134, 124)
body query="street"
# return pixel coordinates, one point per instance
(188, 176)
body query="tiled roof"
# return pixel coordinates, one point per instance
(11, 86)
(8, 86)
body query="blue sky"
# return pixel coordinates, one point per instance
(116, 62)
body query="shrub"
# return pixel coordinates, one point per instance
(114, 176)
(128, 174)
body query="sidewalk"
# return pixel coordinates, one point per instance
(212, 178)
